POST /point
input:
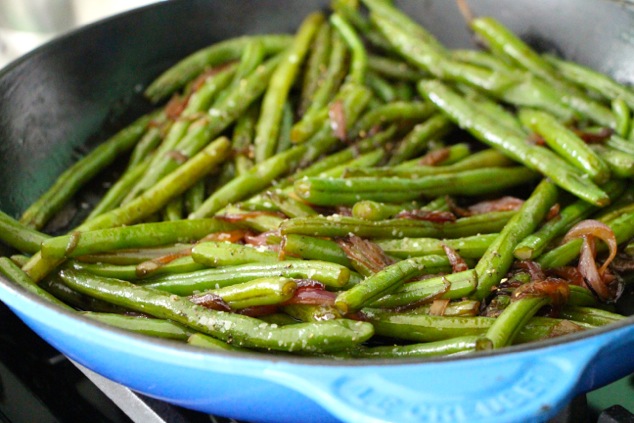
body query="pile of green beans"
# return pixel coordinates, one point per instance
(354, 190)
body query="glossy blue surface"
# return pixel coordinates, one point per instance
(524, 385)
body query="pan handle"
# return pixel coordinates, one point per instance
(518, 386)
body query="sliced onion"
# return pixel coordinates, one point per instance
(435, 157)
(212, 301)
(338, 120)
(256, 311)
(599, 230)
(457, 262)
(501, 204)
(557, 289)
(438, 307)
(364, 253)
(149, 266)
(313, 296)
(533, 268)
(233, 236)
(588, 269)
(428, 215)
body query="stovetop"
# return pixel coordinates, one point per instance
(38, 384)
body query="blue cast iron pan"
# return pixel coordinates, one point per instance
(60, 98)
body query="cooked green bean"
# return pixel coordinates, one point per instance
(216, 54)
(242, 331)
(267, 128)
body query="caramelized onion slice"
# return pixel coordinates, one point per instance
(596, 229)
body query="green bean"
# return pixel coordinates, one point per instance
(20, 236)
(393, 111)
(267, 128)
(149, 202)
(131, 272)
(481, 58)
(290, 206)
(590, 315)
(214, 254)
(12, 272)
(332, 78)
(507, 44)
(173, 210)
(359, 62)
(374, 210)
(135, 256)
(425, 328)
(308, 247)
(191, 66)
(593, 80)
(383, 90)
(467, 247)
(312, 313)
(383, 282)
(73, 178)
(316, 65)
(419, 137)
(623, 116)
(54, 285)
(119, 190)
(346, 158)
(479, 160)
(284, 137)
(621, 164)
(257, 292)
(159, 160)
(330, 274)
(252, 57)
(513, 318)
(498, 258)
(152, 327)
(619, 143)
(446, 347)
(454, 309)
(347, 191)
(568, 145)
(622, 226)
(486, 129)
(534, 245)
(255, 179)
(242, 331)
(219, 117)
(450, 287)
(243, 133)
(393, 69)
(194, 196)
(311, 124)
(213, 88)
(149, 141)
(344, 225)
(210, 343)
(135, 236)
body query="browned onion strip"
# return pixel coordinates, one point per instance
(365, 253)
(438, 307)
(437, 216)
(211, 301)
(435, 157)
(599, 230)
(457, 262)
(557, 289)
(338, 120)
(505, 203)
(313, 296)
(588, 268)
